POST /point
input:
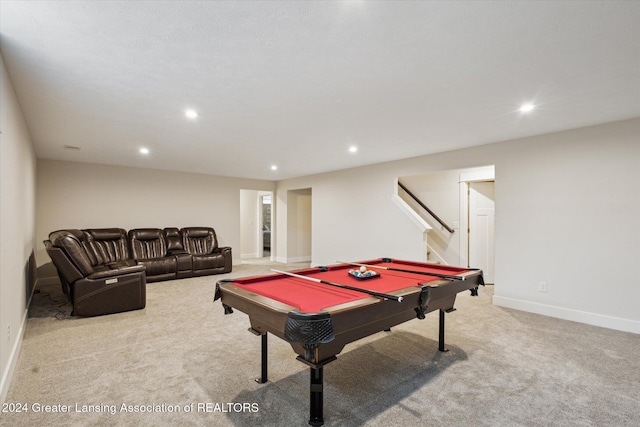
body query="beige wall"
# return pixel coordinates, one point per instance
(293, 230)
(248, 224)
(81, 195)
(567, 206)
(299, 219)
(17, 225)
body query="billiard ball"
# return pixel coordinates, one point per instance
(363, 269)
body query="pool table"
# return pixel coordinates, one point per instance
(319, 319)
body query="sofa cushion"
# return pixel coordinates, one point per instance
(147, 243)
(122, 263)
(199, 240)
(160, 268)
(207, 262)
(107, 245)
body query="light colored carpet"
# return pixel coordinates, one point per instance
(505, 368)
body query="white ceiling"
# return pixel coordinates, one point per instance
(296, 83)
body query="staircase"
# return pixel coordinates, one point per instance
(420, 219)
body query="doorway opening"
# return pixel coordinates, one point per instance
(256, 226)
(477, 215)
(265, 218)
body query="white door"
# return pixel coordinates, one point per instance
(481, 219)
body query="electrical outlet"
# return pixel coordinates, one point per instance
(542, 287)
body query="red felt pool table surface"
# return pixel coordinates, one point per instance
(312, 297)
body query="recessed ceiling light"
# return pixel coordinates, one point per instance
(144, 150)
(191, 114)
(353, 149)
(526, 108)
(274, 168)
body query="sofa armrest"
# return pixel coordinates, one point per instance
(111, 294)
(66, 269)
(225, 251)
(116, 272)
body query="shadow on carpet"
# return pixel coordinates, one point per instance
(358, 386)
(50, 301)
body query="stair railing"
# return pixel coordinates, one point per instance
(418, 201)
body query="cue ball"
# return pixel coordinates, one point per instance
(363, 269)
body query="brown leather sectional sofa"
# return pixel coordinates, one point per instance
(105, 270)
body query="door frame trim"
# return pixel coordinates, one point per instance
(484, 174)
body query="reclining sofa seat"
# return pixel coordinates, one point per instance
(108, 247)
(149, 248)
(96, 287)
(202, 244)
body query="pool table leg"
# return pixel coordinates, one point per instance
(441, 334)
(263, 375)
(316, 417)
(316, 386)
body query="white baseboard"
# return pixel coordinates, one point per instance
(594, 319)
(7, 375)
(284, 260)
(249, 255)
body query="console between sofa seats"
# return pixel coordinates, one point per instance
(175, 248)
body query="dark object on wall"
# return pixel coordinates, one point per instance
(30, 275)
(105, 270)
(266, 237)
